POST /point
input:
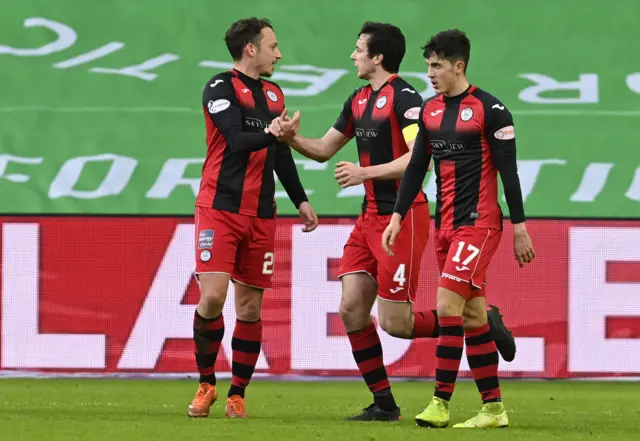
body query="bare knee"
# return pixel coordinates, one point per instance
(213, 293)
(450, 304)
(474, 315)
(397, 326)
(248, 303)
(355, 315)
(358, 294)
(396, 318)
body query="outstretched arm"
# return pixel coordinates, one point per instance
(320, 149)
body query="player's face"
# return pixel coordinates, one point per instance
(268, 53)
(443, 73)
(360, 56)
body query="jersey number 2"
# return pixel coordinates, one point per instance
(267, 266)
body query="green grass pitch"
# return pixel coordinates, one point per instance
(122, 410)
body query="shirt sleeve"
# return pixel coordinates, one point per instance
(407, 106)
(344, 123)
(500, 134)
(287, 172)
(221, 103)
(413, 177)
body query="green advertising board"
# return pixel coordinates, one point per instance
(100, 110)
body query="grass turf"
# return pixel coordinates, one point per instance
(122, 410)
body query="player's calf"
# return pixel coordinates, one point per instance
(245, 344)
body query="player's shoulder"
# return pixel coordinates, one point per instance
(434, 100)
(488, 100)
(220, 85)
(359, 92)
(399, 84)
(366, 88)
(220, 77)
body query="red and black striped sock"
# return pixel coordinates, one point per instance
(482, 355)
(425, 324)
(246, 341)
(207, 335)
(367, 351)
(448, 355)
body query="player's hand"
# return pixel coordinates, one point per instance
(288, 126)
(390, 233)
(522, 246)
(274, 128)
(348, 174)
(308, 216)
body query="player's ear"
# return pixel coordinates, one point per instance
(251, 49)
(378, 59)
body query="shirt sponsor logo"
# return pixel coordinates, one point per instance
(218, 106)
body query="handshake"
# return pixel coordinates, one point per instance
(283, 127)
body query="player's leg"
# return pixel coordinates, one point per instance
(216, 243)
(358, 271)
(245, 344)
(359, 294)
(450, 304)
(252, 275)
(478, 247)
(398, 276)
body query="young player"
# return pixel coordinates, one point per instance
(470, 135)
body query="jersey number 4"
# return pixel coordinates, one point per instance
(399, 277)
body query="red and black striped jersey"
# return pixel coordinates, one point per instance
(376, 118)
(238, 171)
(471, 138)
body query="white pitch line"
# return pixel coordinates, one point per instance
(189, 110)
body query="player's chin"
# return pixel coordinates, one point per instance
(267, 72)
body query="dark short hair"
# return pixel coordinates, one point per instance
(386, 40)
(243, 32)
(452, 45)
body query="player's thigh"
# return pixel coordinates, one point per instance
(358, 296)
(217, 235)
(398, 275)
(256, 255)
(468, 259)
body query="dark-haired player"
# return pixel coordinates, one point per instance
(235, 209)
(470, 135)
(382, 116)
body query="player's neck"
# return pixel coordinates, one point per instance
(378, 79)
(247, 69)
(462, 85)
